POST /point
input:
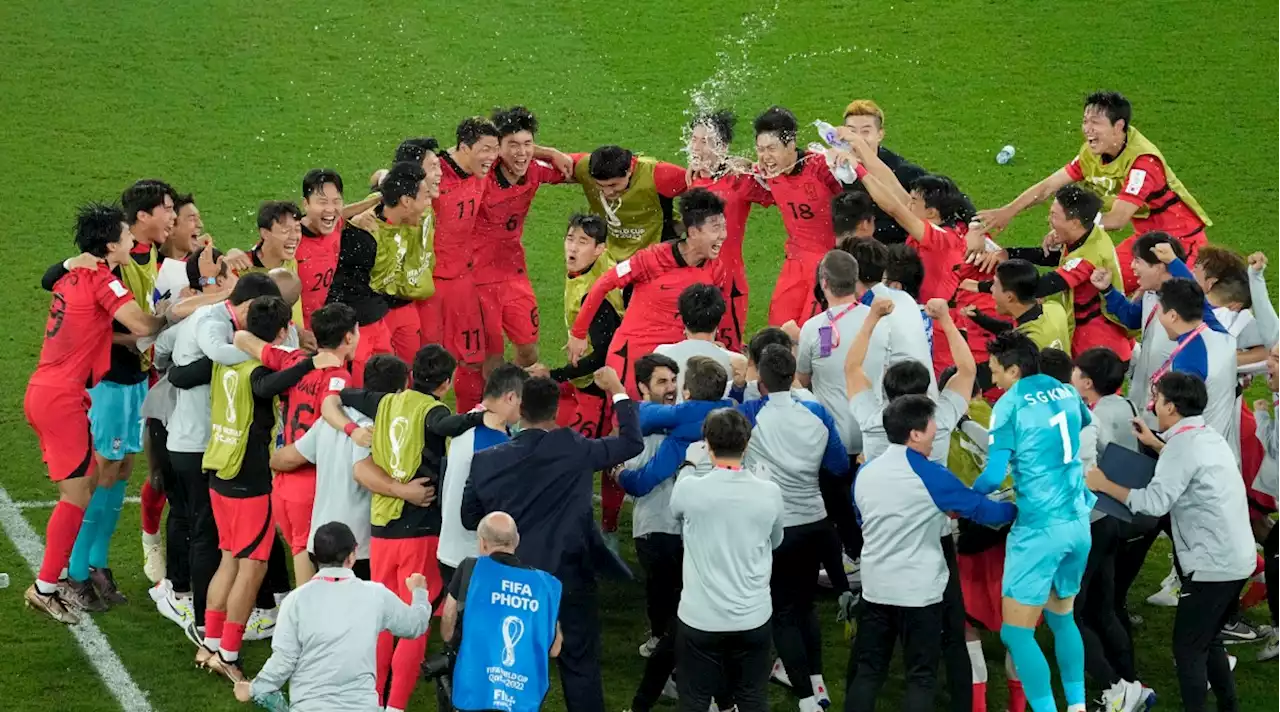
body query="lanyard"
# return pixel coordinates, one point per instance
(828, 335)
(1168, 364)
(1181, 430)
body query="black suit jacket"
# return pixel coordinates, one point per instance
(544, 479)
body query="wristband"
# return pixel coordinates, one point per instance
(350, 428)
(208, 281)
(859, 171)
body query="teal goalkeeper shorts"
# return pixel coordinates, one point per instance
(115, 418)
(1040, 559)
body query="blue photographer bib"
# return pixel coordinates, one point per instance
(509, 624)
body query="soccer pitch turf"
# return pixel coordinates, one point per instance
(235, 101)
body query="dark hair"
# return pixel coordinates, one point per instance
(402, 180)
(144, 196)
(539, 400)
(1104, 367)
(1014, 348)
(1218, 262)
(1056, 363)
(332, 545)
(872, 256)
(514, 120)
(701, 308)
(506, 378)
(727, 432)
(1232, 287)
(1186, 392)
(594, 225)
(1113, 104)
(904, 267)
(905, 378)
(193, 267)
(1020, 278)
(839, 270)
(413, 150)
(251, 286)
(765, 337)
(275, 211)
(949, 372)
(432, 367)
(942, 194)
(331, 323)
(609, 162)
(1078, 204)
(1183, 297)
(849, 210)
(385, 373)
(777, 120)
(704, 378)
(1144, 247)
(472, 129)
(777, 368)
(699, 205)
(267, 317)
(720, 121)
(646, 365)
(905, 415)
(182, 200)
(97, 226)
(314, 180)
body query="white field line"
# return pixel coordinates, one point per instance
(49, 503)
(95, 645)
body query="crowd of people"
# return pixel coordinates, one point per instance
(933, 425)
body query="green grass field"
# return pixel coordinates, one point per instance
(235, 101)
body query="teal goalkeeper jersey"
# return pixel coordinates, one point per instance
(1039, 421)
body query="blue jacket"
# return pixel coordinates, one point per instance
(683, 425)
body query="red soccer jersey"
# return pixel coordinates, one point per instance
(301, 403)
(317, 260)
(455, 213)
(77, 336)
(941, 249)
(804, 198)
(658, 273)
(976, 336)
(499, 253)
(1145, 185)
(739, 192)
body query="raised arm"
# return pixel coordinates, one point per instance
(966, 368)
(996, 220)
(407, 621)
(1264, 310)
(855, 378)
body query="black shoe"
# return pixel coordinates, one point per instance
(84, 596)
(105, 584)
(1239, 631)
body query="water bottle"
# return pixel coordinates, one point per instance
(4, 580)
(843, 172)
(828, 134)
(1006, 154)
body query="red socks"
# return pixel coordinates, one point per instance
(214, 623)
(232, 635)
(979, 697)
(60, 537)
(152, 508)
(1017, 698)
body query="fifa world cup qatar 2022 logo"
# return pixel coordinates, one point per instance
(398, 431)
(512, 632)
(231, 384)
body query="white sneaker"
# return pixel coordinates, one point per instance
(779, 674)
(1124, 696)
(1272, 649)
(153, 557)
(1167, 596)
(669, 689)
(261, 624)
(170, 605)
(648, 646)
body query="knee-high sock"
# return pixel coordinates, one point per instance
(152, 508)
(1031, 665)
(60, 536)
(78, 564)
(108, 518)
(978, 662)
(1068, 647)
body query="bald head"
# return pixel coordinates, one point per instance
(289, 284)
(497, 532)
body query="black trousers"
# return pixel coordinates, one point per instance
(661, 556)
(1136, 539)
(879, 628)
(1108, 649)
(580, 653)
(837, 497)
(203, 557)
(955, 651)
(1198, 654)
(730, 664)
(177, 527)
(276, 579)
(792, 587)
(1270, 572)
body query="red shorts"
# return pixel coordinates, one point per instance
(589, 415)
(375, 339)
(508, 308)
(391, 561)
(624, 350)
(732, 332)
(244, 525)
(1124, 255)
(60, 417)
(292, 499)
(1101, 331)
(452, 318)
(980, 576)
(793, 296)
(405, 330)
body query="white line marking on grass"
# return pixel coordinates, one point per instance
(95, 645)
(49, 503)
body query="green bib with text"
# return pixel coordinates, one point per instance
(398, 442)
(231, 413)
(635, 218)
(403, 264)
(1108, 179)
(141, 280)
(575, 291)
(1098, 250)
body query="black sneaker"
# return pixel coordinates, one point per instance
(1239, 631)
(105, 584)
(84, 596)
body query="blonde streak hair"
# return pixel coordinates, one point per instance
(865, 107)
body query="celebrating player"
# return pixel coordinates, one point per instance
(1131, 176)
(322, 226)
